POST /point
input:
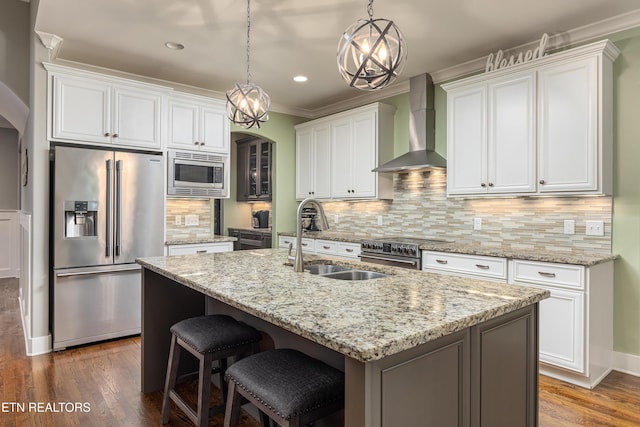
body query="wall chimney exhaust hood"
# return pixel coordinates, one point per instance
(422, 141)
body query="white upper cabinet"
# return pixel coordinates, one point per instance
(541, 127)
(346, 147)
(568, 126)
(92, 108)
(313, 157)
(198, 123)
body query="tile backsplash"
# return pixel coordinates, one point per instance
(201, 208)
(421, 208)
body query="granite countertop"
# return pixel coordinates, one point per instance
(506, 251)
(365, 320)
(197, 240)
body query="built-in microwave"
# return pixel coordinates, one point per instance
(197, 174)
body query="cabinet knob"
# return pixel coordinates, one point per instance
(353, 191)
(542, 182)
(202, 143)
(491, 184)
(107, 134)
(115, 135)
(348, 191)
(483, 185)
(196, 143)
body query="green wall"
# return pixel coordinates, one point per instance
(626, 196)
(279, 130)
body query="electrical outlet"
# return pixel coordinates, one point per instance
(336, 219)
(477, 224)
(569, 226)
(177, 220)
(191, 220)
(595, 228)
(379, 219)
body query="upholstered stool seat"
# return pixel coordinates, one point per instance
(290, 387)
(209, 338)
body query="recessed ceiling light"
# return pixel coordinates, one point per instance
(300, 79)
(174, 45)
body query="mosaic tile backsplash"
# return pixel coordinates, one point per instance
(421, 208)
(182, 207)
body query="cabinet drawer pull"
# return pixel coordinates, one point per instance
(482, 266)
(545, 274)
(326, 247)
(203, 251)
(442, 261)
(305, 244)
(349, 250)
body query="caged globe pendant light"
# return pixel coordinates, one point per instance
(371, 53)
(247, 103)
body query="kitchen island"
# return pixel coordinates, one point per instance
(417, 348)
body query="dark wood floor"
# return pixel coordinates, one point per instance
(106, 377)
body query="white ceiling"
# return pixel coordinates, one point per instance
(290, 37)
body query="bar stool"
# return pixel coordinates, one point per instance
(209, 338)
(288, 386)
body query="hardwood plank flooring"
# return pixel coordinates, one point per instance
(106, 376)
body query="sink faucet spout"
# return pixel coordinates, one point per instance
(324, 225)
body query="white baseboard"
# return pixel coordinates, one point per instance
(627, 363)
(37, 345)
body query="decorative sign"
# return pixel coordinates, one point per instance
(497, 61)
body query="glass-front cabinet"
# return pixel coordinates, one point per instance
(254, 170)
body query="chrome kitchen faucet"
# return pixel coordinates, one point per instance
(297, 260)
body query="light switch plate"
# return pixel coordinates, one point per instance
(191, 220)
(595, 228)
(379, 219)
(477, 224)
(336, 218)
(569, 226)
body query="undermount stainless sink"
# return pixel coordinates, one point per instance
(354, 275)
(324, 268)
(341, 272)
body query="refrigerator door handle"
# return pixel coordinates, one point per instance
(84, 272)
(109, 208)
(118, 206)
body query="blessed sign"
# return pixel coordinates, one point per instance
(497, 61)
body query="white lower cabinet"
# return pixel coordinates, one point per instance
(465, 265)
(323, 247)
(576, 322)
(200, 248)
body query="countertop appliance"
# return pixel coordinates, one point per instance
(197, 174)
(395, 251)
(260, 219)
(106, 211)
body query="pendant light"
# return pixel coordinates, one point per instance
(371, 53)
(247, 103)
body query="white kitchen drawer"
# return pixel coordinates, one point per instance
(558, 275)
(205, 248)
(308, 245)
(328, 247)
(283, 242)
(474, 265)
(349, 250)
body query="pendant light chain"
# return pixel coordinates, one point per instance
(248, 40)
(370, 9)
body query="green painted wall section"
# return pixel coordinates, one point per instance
(279, 130)
(626, 197)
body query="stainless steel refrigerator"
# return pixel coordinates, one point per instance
(107, 209)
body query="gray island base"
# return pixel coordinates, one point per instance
(417, 349)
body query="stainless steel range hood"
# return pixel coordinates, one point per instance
(422, 141)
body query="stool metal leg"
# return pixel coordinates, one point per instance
(170, 382)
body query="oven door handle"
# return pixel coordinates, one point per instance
(415, 262)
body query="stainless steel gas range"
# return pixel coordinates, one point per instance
(395, 251)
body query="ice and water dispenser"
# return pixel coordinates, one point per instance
(80, 218)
